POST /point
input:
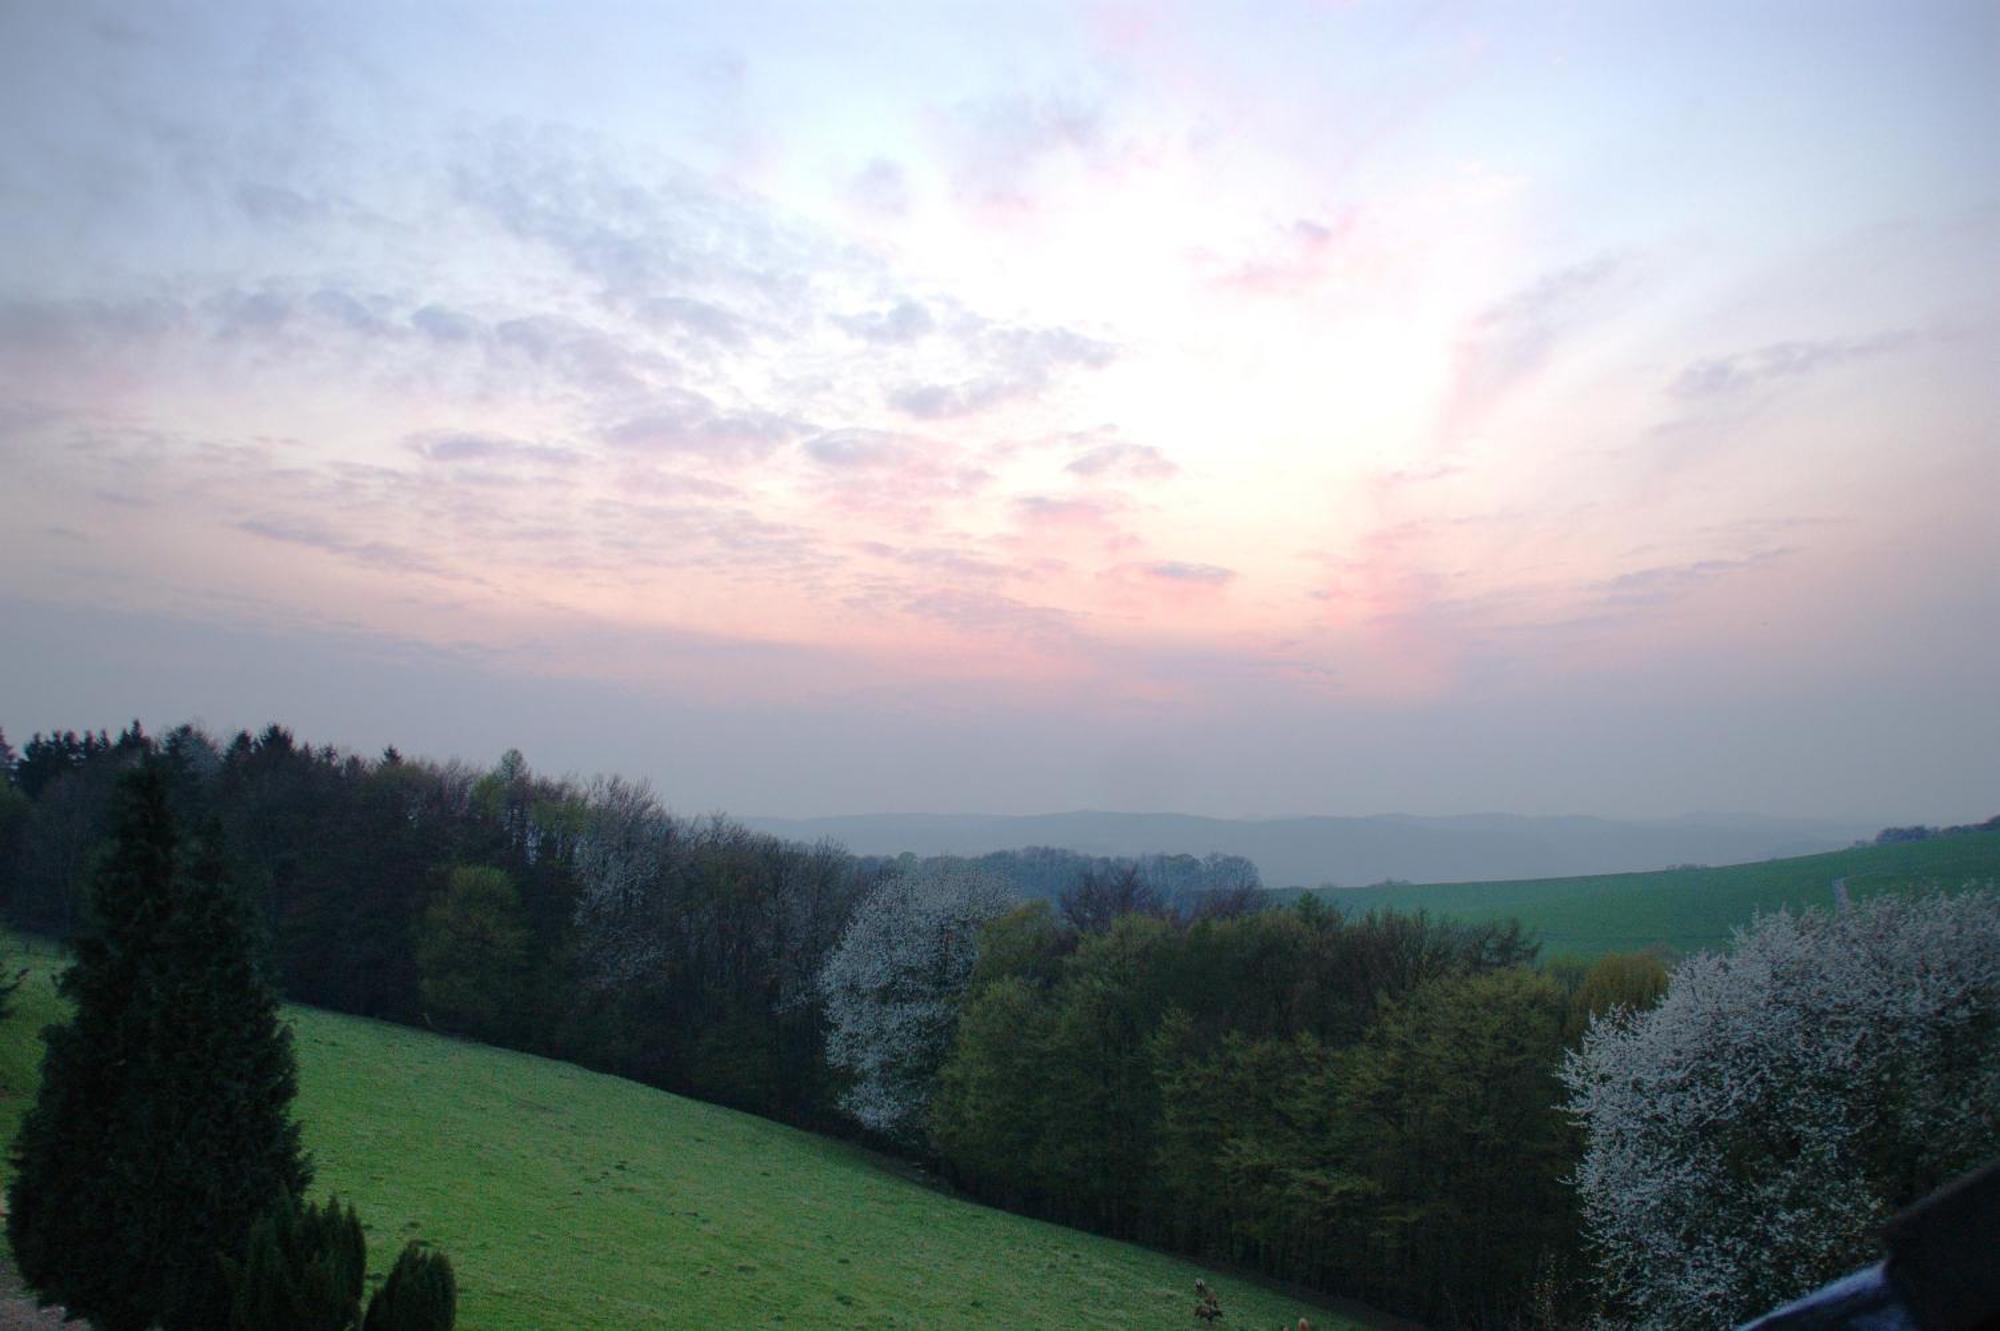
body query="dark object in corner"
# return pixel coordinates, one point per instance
(1942, 1273)
(1944, 1253)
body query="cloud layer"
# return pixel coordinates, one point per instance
(1314, 363)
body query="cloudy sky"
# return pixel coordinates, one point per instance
(1298, 407)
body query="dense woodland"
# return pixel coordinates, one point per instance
(440, 896)
(1372, 1106)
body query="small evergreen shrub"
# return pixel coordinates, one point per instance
(303, 1270)
(421, 1294)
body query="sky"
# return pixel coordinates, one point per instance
(819, 408)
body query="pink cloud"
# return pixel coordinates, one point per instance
(1117, 461)
(1304, 255)
(1506, 346)
(885, 474)
(1081, 513)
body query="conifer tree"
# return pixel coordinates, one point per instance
(421, 1294)
(161, 1132)
(303, 1270)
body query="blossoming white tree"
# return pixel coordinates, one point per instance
(623, 861)
(1746, 1136)
(892, 987)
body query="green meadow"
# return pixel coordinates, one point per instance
(568, 1199)
(1687, 910)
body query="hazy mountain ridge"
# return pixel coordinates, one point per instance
(1351, 851)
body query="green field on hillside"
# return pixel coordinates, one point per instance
(573, 1200)
(1686, 910)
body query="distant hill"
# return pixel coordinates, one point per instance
(1689, 910)
(570, 1199)
(1310, 852)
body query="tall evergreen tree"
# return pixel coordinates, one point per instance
(161, 1132)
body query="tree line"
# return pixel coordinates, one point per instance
(1389, 1107)
(579, 920)
(576, 920)
(1368, 1106)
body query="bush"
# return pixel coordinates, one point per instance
(421, 1294)
(303, 1270)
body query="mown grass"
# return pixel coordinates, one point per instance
(1687, 910)
(567, 1199)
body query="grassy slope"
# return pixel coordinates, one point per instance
(572, 1200)
(1687, 909)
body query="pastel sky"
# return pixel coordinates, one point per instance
(820, 408)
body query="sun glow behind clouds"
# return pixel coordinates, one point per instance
(1337, 354)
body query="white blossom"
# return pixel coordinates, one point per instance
(892, 987)
(623, 859)
(1746, 1137)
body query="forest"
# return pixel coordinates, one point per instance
(1414, 1112)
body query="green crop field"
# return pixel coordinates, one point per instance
(1687, 910)
(573, 1200)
